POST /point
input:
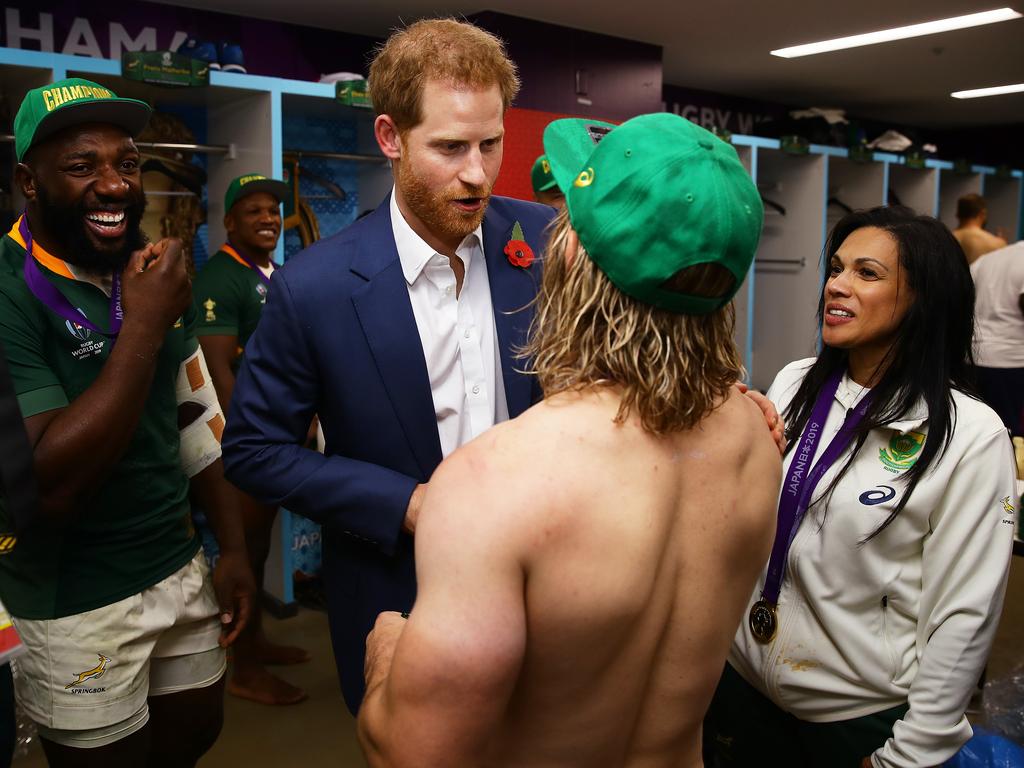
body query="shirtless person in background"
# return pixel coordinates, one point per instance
(583, 568)
(972, 215)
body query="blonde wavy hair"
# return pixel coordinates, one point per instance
(672, 369)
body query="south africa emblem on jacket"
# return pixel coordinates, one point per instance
(903, 451)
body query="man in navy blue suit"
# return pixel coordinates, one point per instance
(400, 332)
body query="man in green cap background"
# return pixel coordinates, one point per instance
(109, 590)
(545, 188)
(230, 291)
(582, 615)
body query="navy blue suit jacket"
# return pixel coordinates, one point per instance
(337, 338)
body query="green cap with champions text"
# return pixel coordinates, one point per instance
(52, 108)
(251, 183)
(540, 175)
(652, 197)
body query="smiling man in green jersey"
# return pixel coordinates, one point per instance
(109, 590)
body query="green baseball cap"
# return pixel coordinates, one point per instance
(540, 175)
(653, 196)
(74, 101)
(248, 183)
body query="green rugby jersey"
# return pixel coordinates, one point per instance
(136, 530)
(229, 297)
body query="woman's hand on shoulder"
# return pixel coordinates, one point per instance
(771, 416)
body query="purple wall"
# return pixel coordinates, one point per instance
(106, 29)
(621, 78)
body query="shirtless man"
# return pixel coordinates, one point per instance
(583, 568)
(972, 213)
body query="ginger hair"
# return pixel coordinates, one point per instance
(447, 50)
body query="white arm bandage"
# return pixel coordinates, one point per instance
(200, 440)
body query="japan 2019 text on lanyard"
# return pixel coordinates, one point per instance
(797, 491)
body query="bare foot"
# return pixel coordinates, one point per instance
(263, 687)
(266, 652)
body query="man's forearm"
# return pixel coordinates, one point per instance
(219, 352)
(220, 502)
(223, 382)
(75, 450)
(373, 718)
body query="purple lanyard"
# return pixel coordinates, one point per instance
(252, 264)
(800, 480)
(48, 294)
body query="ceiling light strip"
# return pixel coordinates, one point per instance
(899, 33)
(996, 90)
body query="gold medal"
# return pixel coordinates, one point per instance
(763, 621)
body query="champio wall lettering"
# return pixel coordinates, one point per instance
(99, 39)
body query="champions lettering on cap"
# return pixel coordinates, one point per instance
(652, 197)
(249, 183)
(52, 108)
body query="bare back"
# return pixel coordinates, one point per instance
(640, 554)
(976, 242)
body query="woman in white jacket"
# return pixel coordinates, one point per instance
(873, 621)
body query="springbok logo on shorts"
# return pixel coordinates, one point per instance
(90, 674)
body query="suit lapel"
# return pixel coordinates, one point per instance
(385, 314)
(512, 290)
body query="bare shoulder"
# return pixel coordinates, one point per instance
(740, 421)
(498, 470)
(742, 433)
(531, 465)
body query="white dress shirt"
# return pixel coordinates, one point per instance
(457, 333)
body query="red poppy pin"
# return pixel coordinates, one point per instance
(518, 250)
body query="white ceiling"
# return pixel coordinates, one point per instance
(723, 45)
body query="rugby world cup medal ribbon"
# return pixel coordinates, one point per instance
(241, 257)
(517, 249)
(797, 490)
(53, 299)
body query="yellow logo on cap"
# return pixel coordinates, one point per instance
(545, 165)
(585, 179)
(54, 97)
(246, 179)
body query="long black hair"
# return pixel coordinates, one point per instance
(931, 354)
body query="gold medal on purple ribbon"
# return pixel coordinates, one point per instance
(802, 476)
(764, 622)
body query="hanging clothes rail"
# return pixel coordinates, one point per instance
(356, 158)
(230, 151)
(793, 262)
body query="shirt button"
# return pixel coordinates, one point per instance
(476, 389)
(466, 335)
(448, 291)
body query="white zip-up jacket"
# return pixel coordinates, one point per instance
(909, 616)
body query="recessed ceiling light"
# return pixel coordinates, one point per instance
(996, 90)
(899, 33)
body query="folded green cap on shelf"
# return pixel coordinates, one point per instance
(652, 197)
(248, 183)
(540, 175)
(52, 108)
